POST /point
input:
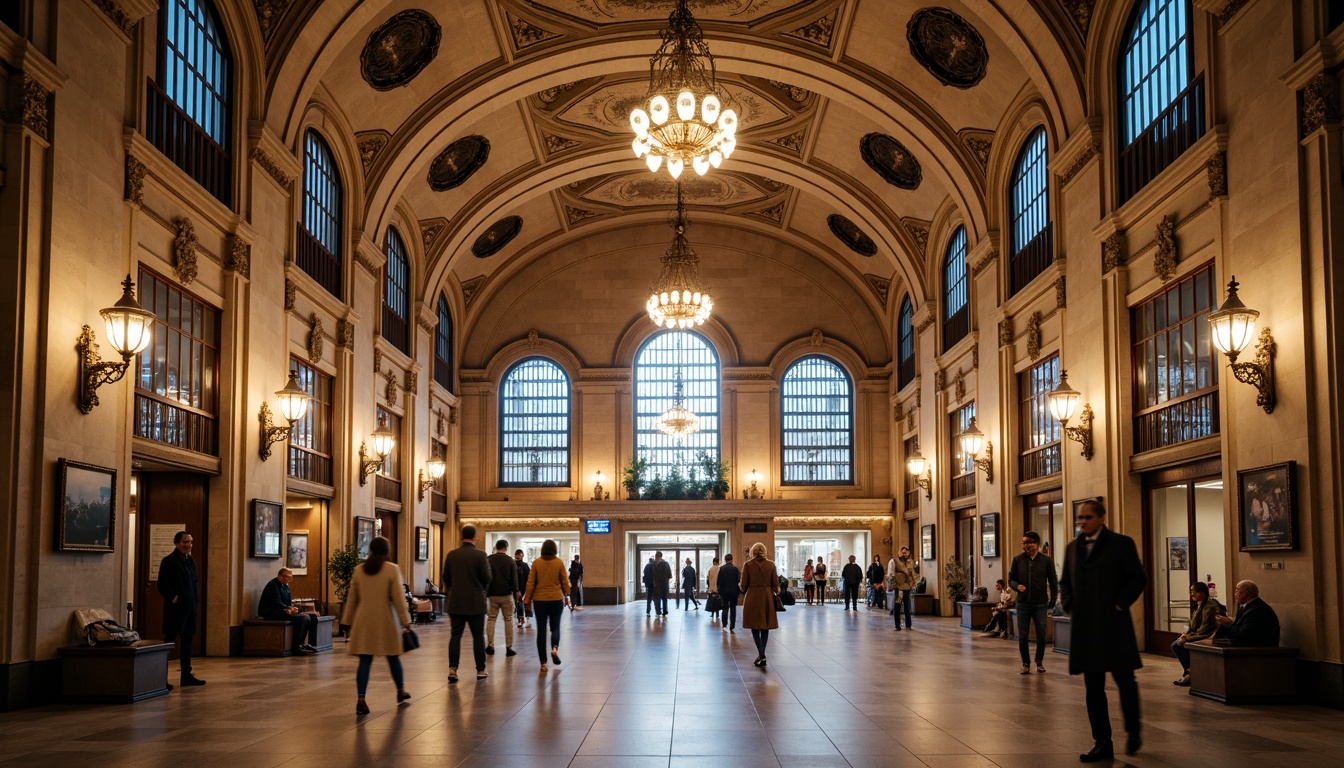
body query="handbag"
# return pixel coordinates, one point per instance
(409, 641)
(779, 604)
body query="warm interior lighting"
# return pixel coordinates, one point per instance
(678, 300)
(1233, 324)
(129, 327)
(1064, 399)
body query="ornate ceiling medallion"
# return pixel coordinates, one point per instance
(892, 161)
(500, 234)
(399, 49)
(948, 47)
(455, 164)
(850, 234)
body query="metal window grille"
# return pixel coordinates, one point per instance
(1175, 364)
(396, 285)
(534, 425)
(1040, 429)
(320, 253)
(656, 367)
(176, 394)
(905, 364)
(956, 292)
(443, 346)
(310, 438)
(1030, 230)
(963, 465)
(817, 415)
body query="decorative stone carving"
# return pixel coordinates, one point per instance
(958, 385)
(470, 288)
(345, 334)
(939, 380)
(533, 339)
(919, 232)
(817, 338)
(910, 421)
(316, 339)
(891, 160)
(399, 49)
(32, 107)
(1006, 333)
(897, 413)
(1061, 295)
(500, 234)
(457, 162)
(525, 34)
(575, 215)
(792, 142)
(116, 14)
(975, 357)
(1228, 11)
(438, 422)
(269, 14)
(1081, 11)
(377, 360)
(818, 32)
(1092, 149)
(1034, 336)
(291, 293)
(525, 523)
(978, 143)
(919, 397)
(774, 213)
(390, 389)
(556, 144)
(184, 250)
(1113, 252)
(794, 93)
(411, 383)
(1320, 103)
(430, 231)
(552, 95)
(849, 233)
(426, 324)
(980, 266)
(880, 286)
(135, 180)
(924, 325)
(362, 259)
(371, 143)
(238, 260)
(1164, 261)
(948, 47)
(1216, 166)
(272, 168)
(452, 415)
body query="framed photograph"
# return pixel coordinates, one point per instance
(266, 524)
(1178, 553)
(926, 542)
(363, 536)
(1267, 507)
(296, 552)
(421, 543)
(88, 513)
(989, 535)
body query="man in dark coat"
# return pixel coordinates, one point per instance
(1256, 624)
(877, 581)
(729, 584)
(466, 576)
(277, 604)
(659, 580)
(177, 583)
(575, 585)
(648, 587)
(851, 576)
(520, 609)
(1102, 579)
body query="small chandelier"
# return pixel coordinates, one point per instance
(678, 420)
(679, 300)
(684, 119)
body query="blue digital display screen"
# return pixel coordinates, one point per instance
(599, 526)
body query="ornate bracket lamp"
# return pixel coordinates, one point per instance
(293, 406)
(130, 328)
(1063, 403)
(436, 467)
(923, 473)
(679, 299)
(597, 486)
(973, 443)
(1233, 325)
(383, 442)
(754, 491)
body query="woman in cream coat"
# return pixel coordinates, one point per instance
(760, 583)
(375, 606)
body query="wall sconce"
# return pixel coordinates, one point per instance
(383, 442)
(436, 467)
(130, 328)
(1063, 403)
(597, 486)
(754, 491)
(919, 467)
(1232, 326)
(293, 406)
(973, 442)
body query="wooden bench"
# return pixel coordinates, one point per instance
(109, 674)
(1235, 675)
(1062, 628)
(924, 605)
(975, 615)
(265, 637)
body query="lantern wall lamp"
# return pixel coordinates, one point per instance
(973, 444)
(383, 442)
(1063, 404)
(130, 328)
(1232, 327)
(923, 473)
(437, 467)
(293, 405)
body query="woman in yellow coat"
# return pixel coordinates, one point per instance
(760, 583)
(547, 591)
(373, 609)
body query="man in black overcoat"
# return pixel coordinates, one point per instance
(177, 583)
(1102, 579)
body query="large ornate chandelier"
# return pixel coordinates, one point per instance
(677, 421)
(687, 118)
(679, 300)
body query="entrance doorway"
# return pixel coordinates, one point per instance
(1183, 511)
(1045, 515)
(168, 502)
(968, 546)
(701, 548)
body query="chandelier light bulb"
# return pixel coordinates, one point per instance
(728, 122)
(709, 109)
(715, 158)
(658, 109)
(700, 164)
(685, 105)
(639, 121)
(727, 147)
(674, 166)
(653, 161)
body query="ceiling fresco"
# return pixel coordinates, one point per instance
(613, 11)
(607, 109)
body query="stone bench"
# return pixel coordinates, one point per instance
(110, 674)
(265, 637)
(1235, 675)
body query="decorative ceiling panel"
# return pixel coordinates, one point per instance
(614, 11)
(399, 49)
(948, 47)
(608, 109)
(644, 189)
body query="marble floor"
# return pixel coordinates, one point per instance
(842, 689)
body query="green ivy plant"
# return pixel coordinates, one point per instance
(956, 580)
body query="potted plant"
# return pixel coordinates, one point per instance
(956, 580)
(632, 476)
(716, 474)
(656, 489)
(341, 569)
(676, 484)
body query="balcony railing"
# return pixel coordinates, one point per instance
(309, 465)
(1034, 257)
(387, 488)
(165, 422)
(395, 329)
(1041, 462)
(963, 486)
(1177, 421)
(1175, 130)
(956, 327)
(190, 148)
(314, 258)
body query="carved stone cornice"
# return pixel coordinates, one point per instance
(1223, 10)
(184, 250)
(1113, 252)
(272, 167)
(363, 260)
(1083, 147)
(821, 521)
(316, 339)
(123, 15)
(1320, 103)
(985, 263)
(520, 523)
(427, 319)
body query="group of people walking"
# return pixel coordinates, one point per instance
(896, 579)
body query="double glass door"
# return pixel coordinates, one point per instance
(701, 556)
(1186, 543)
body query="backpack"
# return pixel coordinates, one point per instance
(99, 628)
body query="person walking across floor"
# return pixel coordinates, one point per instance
(502, 594)
(1032, 577)
(466, 576)
(576, 585)
(901, 578)
(519, 610)
(809, 581)
(712, 585)
(689, 581)
(760, 582)
(851, 576)
(376, 613)
(648, 587)
(1102, 578)
(180, 589)
(548, 593)
(659, 582)
(819, 575)
(728, 582)
(877, 582)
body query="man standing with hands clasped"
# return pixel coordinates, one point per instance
(1102, 579)
(1032, 577)
(178, 585)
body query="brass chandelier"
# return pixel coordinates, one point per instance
(678, 421)
(686, 119)
(678, 299)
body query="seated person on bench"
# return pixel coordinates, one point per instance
(1256, 624)
(277, 605)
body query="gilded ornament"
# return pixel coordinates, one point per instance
(457, 162)
(891, 160)
(500, 234)
(849, 233)
(958, 385)
(399, 49)
(948, 47)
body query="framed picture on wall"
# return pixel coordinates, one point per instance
(1178, 553)
(88, 507)
(926, 542)
(363, 536)
(421, 543)
(266, 526)
(1267, 507)
(989, 535)
(296, 552)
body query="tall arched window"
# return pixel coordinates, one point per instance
(443, 346)
(319, 239)
(905, 346)
(817, 421)
(956, 291)
(187, 113)
(534, 424)
(656, 369)
(396, 287)
(1029, 235)
(1161, 99)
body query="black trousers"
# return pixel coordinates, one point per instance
(730, 612)
(1098, 713)
(688, 594)
(305, 626)
(852, 594)
(460, 621)
(184, 643)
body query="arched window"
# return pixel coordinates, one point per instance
(1029, 235)
(817, 414)
(1161, 99)
(187, 114)
(443, 346)
(396, 301)
(905, 347)
(319, 240)
(659, 361)
(534, 425)
(956, 291)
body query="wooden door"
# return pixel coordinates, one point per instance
(388, 519)
(169, 502)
